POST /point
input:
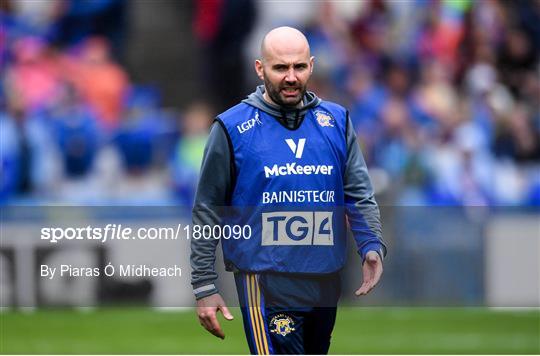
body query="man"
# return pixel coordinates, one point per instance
(289, 165)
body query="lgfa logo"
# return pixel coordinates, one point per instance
(246, 125)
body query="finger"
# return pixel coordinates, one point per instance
(205, 323)
(360, 292)
(209, 321)
(226, 313)
(363, 289)
(215, 328)
(204, 319)
(366, 284)
(211, 328)
(369, 287)
(217, 333)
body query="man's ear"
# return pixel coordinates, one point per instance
(259, 68)
(311, 64)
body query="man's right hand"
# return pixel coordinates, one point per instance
(207, 308)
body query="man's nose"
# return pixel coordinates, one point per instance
(291, 76)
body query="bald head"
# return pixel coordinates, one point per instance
(285, 66)
(284, 41)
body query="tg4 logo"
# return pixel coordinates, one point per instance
(297, 228)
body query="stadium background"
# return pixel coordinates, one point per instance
(106, 104)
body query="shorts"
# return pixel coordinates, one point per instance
(286, 313)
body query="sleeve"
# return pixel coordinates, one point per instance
(213, 192)
(360, 206)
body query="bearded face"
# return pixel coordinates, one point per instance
(287, 92)
(285, 71)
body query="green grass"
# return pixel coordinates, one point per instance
(358, 330)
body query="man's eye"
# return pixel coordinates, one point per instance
(300, 66)
(280, 68)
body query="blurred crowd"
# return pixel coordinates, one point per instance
(74, 128)
(444, 96)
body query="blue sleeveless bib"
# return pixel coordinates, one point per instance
(288, 189)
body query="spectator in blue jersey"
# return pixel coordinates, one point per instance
(289, 164)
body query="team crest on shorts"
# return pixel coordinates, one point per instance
(324, 119)
(281, 324)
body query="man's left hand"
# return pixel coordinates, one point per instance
(372, 270)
